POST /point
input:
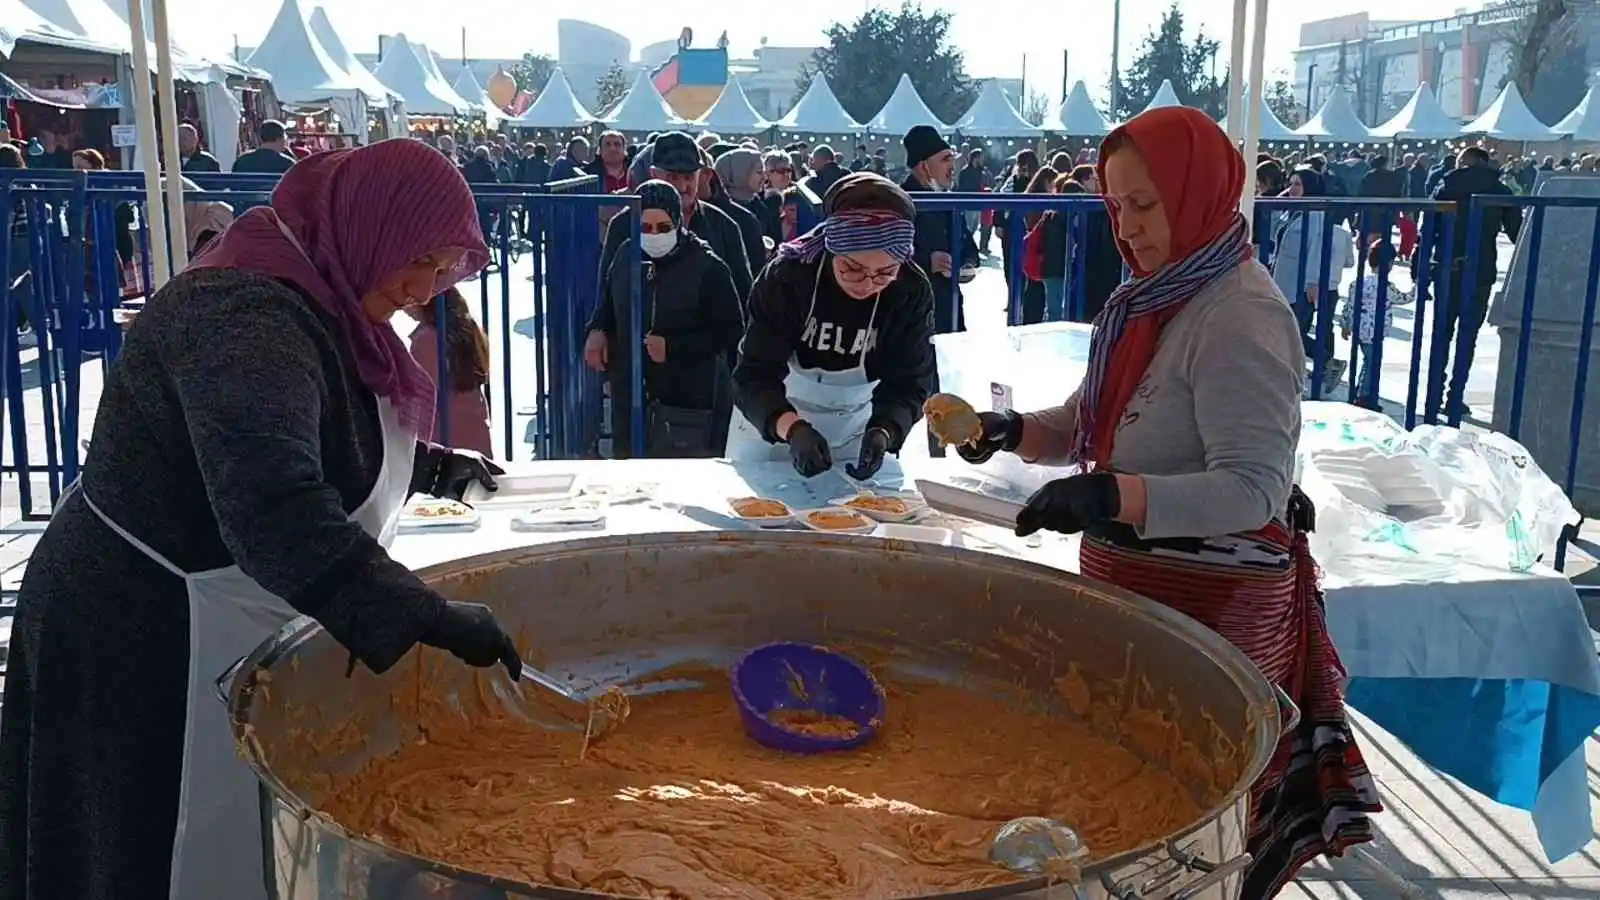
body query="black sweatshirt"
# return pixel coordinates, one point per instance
(899, 347)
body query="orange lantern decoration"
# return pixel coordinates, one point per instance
(502, 88)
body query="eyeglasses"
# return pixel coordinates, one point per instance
(851, 273)
(656, 228)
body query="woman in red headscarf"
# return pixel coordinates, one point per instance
(1186, 425)
(252, 450)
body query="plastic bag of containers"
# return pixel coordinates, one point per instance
(1435, 494)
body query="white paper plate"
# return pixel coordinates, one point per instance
(926, 534)
(763, 521)
(525, 489)
(803, 516)
(915, 506)
(585, 516)
(969, 504)
(414, 517)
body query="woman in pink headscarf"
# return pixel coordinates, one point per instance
(252, 450)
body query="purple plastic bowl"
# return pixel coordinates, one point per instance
(833, 685)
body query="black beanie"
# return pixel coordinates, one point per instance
(922, 143)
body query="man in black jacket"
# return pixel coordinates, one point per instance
(1379, 182)
(272, 156)
(1463, 316)
(677, 160)
(932, 165)
(191, 156)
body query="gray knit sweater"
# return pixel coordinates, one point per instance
(1214, 424)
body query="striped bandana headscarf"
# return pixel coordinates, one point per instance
(855, 231)
(1199, 176)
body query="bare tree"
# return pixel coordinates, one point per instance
(1542, 36)
(1035, 108)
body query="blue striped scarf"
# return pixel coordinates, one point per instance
(856, 231)
(1136, 298)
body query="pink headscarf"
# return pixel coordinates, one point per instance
(359, 216)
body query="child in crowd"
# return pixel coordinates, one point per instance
(1380, 258)
(467, 352)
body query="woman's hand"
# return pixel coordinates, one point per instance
(471, 634)
(874, 446)
(808, 449)
(447, 473)
(1069, 505)
(596, 351)
(655, 346)
(1001, 431)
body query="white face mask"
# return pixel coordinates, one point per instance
(658, 245)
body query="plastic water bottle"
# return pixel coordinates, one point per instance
(1030, 844)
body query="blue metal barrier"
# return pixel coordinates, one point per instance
(56, 215)
(62, 247)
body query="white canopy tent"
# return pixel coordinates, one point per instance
(323, 32)
(1583, 123)
(303, 73)
(1271, 127)
(20, 23)
(643, 109)
(992, 115)
(732, 113)
(404, 72)
(818, 111)
(1421, 119)
(555, 107)
(190, 60)
(1509, 119)
(1336, 121)
(903, 110)
(1078, 116)
(1165, 95)
(466, 85)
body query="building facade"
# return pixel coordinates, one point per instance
(1464, 58)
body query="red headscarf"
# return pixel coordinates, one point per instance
(1199, 176)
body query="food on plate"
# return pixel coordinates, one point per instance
(759, 508)
(439, 509)
(952, 420)
(812, 723)
(892, 506)
(836, 520)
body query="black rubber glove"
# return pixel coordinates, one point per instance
(1069, 505)
(470, 632)
(1001, 431)
(874, 445)
(446, 472)
(808, 449)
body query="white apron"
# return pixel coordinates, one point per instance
(837, 404)
(217, 852)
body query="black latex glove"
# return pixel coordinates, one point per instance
(1001, 431)
(470, 632)
(874, 444)
(447, 473)
(1069, 505)
(808, 449)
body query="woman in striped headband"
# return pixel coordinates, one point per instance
(837, 353)
(1186, 425)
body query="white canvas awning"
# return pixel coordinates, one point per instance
(466, 85)
(1509, 119)
(1336, 121)
(1165, 95)
(555, 107)
(732, 113)
(1421, 119)
(404, 71)
(1583, 123)
(818, 111)
(323, 32)
(1272, 127)
(903, 111)
(992, 115)
(643, 109)
(1078, 116)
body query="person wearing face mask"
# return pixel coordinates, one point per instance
(933, 170)
(837, 355)
(692, 323)
(255, 443)
(677, 160)
(1186, 425)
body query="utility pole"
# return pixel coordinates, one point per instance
(1116, 42)
(1064, 81)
